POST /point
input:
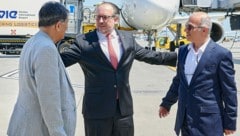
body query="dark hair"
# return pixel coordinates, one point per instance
(52, 12)
(114, 6)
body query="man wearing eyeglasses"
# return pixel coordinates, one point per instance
(204, 85)
(106, 56)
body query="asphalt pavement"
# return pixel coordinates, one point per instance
(149, 84)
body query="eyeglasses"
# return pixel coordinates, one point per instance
(104, 17)
(190, 27)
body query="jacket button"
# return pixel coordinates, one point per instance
(115, 86)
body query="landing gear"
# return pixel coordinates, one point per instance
(150, 39)
(172, 46)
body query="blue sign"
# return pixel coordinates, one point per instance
(8, 14)
(71, 9)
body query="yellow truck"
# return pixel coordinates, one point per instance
(165, 41)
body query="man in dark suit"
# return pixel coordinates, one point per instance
(107, 102)
(204, 84)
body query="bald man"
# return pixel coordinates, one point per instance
(204, 85)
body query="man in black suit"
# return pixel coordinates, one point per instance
(107, 102)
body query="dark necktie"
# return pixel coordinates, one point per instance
(112, 54)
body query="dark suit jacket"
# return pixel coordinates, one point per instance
(102, 81)
(210, 100)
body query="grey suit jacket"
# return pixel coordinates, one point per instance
(46, 102)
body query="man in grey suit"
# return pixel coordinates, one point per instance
(204, 84)
(46, 102)
(106, 56)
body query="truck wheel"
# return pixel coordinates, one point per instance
(18, 52)
(154, 48)
(4, 52)
(62, 47)
(172, 46)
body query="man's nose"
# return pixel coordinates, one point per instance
(101, 19)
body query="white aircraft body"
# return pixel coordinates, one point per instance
(149, 14)
(152, 15)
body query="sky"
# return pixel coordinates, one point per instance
(93, 2)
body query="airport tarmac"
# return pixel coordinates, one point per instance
(149, 84)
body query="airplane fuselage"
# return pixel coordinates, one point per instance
(148, 14)
(156, 14)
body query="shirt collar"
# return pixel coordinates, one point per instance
(102, 36)
(202, 48)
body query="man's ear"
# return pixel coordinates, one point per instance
(116, 19)
(57, 26)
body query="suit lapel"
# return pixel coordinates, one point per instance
(94, 41)
(124, 45)
(205, 56)
(182, 65)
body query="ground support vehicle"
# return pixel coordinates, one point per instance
(19, 21)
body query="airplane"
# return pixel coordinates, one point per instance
(152, 15)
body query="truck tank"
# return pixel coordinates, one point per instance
(18, 22)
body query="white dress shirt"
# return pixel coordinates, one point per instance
(115, 42)
(192, 60)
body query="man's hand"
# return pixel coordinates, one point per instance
(228, 132)
(163, 112)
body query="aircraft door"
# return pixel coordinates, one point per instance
(197, 3)
(220, 4)
(214, 4)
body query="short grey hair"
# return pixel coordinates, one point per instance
(206, 22)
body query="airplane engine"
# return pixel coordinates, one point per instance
(217, 32)
(234, 3)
